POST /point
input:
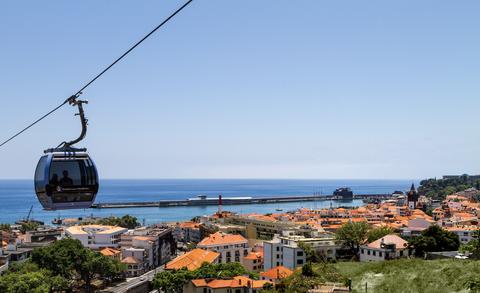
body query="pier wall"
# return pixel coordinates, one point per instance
(226, 201)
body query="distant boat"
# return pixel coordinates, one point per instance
(343, 193)
(279, 209)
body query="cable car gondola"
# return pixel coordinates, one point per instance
(66, 177)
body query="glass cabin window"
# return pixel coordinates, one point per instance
(40, 171)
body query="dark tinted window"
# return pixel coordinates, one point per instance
(40, 171)
(65, 173)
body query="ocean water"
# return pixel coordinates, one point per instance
(17, 196)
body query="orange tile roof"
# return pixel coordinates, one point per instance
(199, 283)
(389, 239)
(254, 255)
(221, 238)
(279, 272)
(109, 252)
(192, 260)
(188, 225)
(130, 260)
(236, 282)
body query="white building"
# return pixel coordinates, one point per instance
(232, 247)
(464, 232)
(96, 236)
(285, 250)
(388, 247)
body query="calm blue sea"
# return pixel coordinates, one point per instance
(17, 196)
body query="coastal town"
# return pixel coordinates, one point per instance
(269, 248)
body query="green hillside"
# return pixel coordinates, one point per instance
(413, 275)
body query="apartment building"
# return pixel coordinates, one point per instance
(231, 247)
(96, 236)
(187, 232)
(285, 250)
(157, 242)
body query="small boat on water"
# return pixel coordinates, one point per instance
(279, 209)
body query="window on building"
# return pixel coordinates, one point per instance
(368, 252)
(299, 261)
(401, 252)
(363, 251)
(374, 253)
(380, 254)
(300, 253)
(278, 255)
(278, 248)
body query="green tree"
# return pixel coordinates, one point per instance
(172, 281)
(377, 233)
(69, 259)
(352, 235)
(473, 246)
(127, 221)
(27, 277)
(434, 238)
(29, 226)
(5, 227)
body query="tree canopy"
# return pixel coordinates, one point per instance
(28, 277)
(440, 188)
(473, 246)
(434, 238)
(352, 235)
(377, 233)
(173, 280)
(127, 221)
(69, 259)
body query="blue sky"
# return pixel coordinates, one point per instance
(247, 89)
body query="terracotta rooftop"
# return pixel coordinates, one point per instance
(389, 239)
(279, 272)
(192, 260)
(109, 252)
(221, 238)
(130, 260)
(236, 282)
(254, 255)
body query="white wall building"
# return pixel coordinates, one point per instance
(96, 236)
(465, 232)
(285, 250)
(388, 247)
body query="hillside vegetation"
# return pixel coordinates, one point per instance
(413, 275)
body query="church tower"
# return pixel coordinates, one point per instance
(412, 197)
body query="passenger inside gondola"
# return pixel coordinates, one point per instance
(66, 181)
(54, 180)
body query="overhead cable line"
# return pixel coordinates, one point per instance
(79, 92)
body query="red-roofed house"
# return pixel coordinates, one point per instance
(388, 247)
(254, 261)
(193, 259)
(238, 284)
(276, 274)
(232, 247)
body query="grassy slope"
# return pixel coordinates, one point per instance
(413, 275)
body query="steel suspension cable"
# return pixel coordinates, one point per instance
(79, 92)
